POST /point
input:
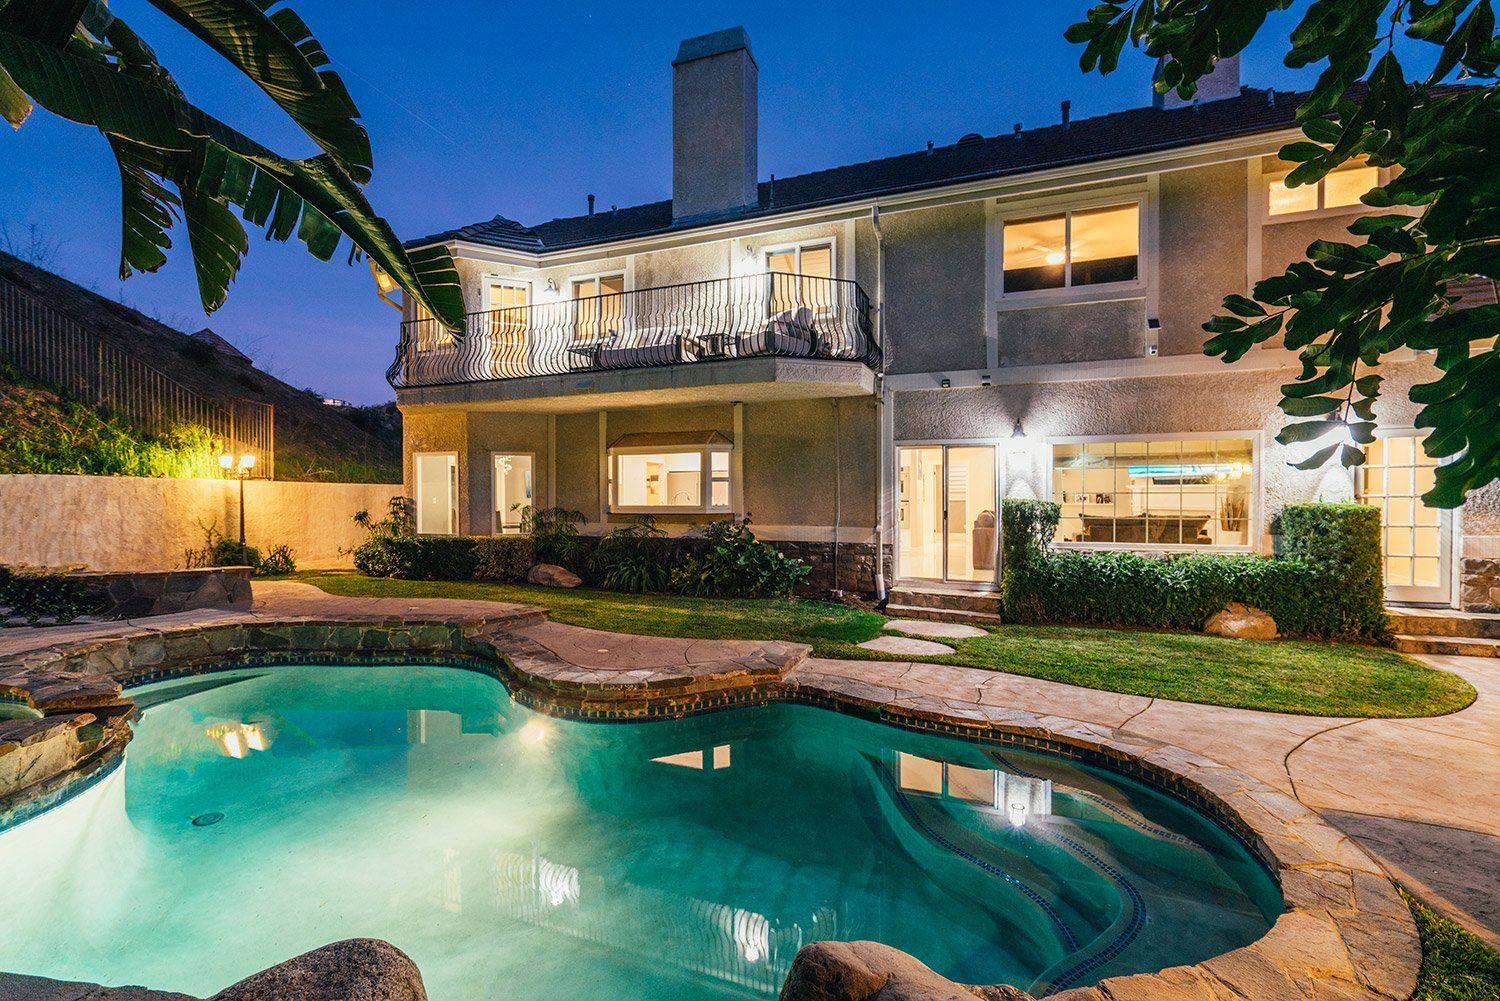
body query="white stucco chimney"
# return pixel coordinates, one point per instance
(715, 125)
(1222, 81)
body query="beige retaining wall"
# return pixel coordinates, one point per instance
(133, 523)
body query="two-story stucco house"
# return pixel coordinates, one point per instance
(867, 358)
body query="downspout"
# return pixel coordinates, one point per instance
(838, 484)
(880, 443)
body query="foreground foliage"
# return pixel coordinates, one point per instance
(41, 432)
(33, 593)
(177, 162)
(1456, 965)
(1351, 305)
(1320, 679)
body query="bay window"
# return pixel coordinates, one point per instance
(1149, 493)
(667, 473)
(1071, 249)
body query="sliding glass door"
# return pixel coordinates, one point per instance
(948, 521)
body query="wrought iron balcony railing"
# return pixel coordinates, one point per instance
(777, 315)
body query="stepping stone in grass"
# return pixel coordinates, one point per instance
(905, 646)
(934, 630)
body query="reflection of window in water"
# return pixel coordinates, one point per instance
(1017, 797)
(714, 757)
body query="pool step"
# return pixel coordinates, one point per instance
(976, 607)
(1445, 622)
(1451, 646)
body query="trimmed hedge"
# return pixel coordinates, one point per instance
(1332, 590)
(459, 557)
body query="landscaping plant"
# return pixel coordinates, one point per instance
(554, 534)
(735, 564)
(35, 593)
(634, 558)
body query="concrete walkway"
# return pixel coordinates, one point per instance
(1421, 795)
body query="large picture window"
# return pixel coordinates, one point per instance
(654, 473)
(1157, 492)
(1096, 246)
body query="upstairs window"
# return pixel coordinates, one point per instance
(1072, 249)
(428, 333)
(1340, 189)
(799, 277)
(600, 304)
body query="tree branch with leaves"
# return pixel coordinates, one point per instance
(1351, 306)
(177, 163)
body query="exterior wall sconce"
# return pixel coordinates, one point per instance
(239, 467)
(946, 383)
(1018, 431)
(551, 284)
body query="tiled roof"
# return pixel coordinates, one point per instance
(1123, 133)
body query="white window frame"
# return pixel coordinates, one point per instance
(453, 498)
(1135, 288)
(496, 528)
(766, 253)
(1383, 176)
(421, 314)
(495, 281)
(1257, 490)
(705, 489)
(575, 280)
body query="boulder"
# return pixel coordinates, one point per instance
(1241, 622)
(551, 575)
(869, 971)
(357, 969)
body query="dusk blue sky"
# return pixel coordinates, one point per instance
(480, 108)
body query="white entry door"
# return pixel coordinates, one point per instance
(1417, 539)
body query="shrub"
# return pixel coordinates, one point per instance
(34, 593)
(1026, 531)
(735, 564)
(554, 534)
(278, 561)
(1341, 545)
(503, 557)
(634, 558)
(230, 553)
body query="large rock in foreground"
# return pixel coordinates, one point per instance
(552, 575)
(1241, 622)
(869, 971)
(357, 969)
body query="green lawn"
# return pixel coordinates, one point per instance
(1456, 965)
(1318, 679)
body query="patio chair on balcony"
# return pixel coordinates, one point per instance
(788, 333)
(644, 347)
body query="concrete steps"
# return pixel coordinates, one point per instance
(980, 608)
(1446, 631)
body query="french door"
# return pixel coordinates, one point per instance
(1417, 540)
(949, 521)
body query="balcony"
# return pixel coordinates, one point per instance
(762, 316)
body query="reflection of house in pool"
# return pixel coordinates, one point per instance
(1019, 798)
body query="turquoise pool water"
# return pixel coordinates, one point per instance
(514, 855)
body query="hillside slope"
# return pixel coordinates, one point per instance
(313, 441)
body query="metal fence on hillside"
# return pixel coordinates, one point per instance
(49, 346)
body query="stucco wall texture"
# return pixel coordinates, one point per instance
(132, 523)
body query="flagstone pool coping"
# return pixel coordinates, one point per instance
(1345, 933)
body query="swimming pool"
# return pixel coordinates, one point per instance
(262, 812)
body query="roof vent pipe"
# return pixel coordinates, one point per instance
(591, 206)
(929, 147)
(771, 192)
(1018, 128)
(1067, 112)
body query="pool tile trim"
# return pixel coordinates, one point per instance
(1344, 934)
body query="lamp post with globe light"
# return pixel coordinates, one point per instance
(239, 467)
